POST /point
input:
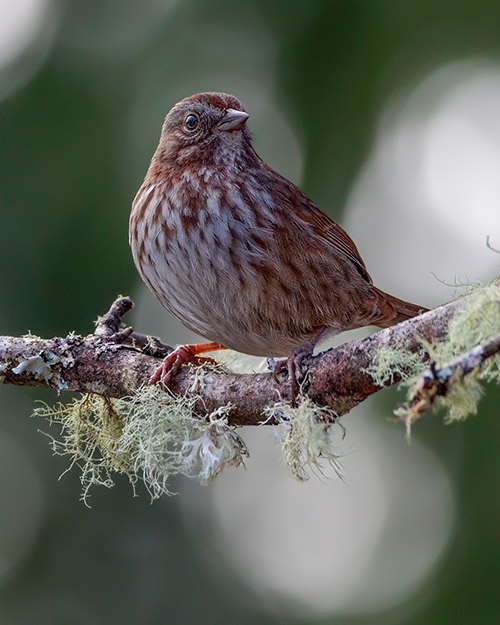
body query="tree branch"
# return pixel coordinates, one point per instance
(116, 363)
(436, 382)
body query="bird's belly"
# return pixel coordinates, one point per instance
(238, 305)
(216, 308)
(235, 284)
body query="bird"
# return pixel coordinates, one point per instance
(238, 253)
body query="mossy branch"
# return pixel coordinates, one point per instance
(437, 382)
(115, 363)
(123, 425)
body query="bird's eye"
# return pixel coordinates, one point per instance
(191, 121)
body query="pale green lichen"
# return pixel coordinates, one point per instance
(392, 363)
(41, 366)
(153, 436)
(475, 322)
(305, 430)
(30, 335)
(200, 373)
(167, 437)
(307, 437)
(150, 437)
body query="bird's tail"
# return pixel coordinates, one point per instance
(394, 310)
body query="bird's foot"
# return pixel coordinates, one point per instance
(295, 367)
(182, 355)
(295, 363)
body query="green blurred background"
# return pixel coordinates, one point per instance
(386, 113)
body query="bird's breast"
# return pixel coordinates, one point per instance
(227, 272)
(200, 262)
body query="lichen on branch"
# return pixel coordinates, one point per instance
(467, 357)
(460, 361)
(122, 425)
(150, 437)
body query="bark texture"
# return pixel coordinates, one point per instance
(115, 363)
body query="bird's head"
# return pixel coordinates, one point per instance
(206, 127)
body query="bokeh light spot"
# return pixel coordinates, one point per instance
(27, 28)
(333, 547)
(429, 193)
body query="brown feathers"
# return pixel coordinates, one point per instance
(237, 252)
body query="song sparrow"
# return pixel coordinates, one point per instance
(237, 252)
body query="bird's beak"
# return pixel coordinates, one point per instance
(233, 120)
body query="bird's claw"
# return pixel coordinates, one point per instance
(294, 364)
(181, 355)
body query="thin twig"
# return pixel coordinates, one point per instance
(108, 324)
(438, 382)
(490, 247)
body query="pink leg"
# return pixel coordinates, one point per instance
(182, 355)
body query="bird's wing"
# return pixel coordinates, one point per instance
(328, 229)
